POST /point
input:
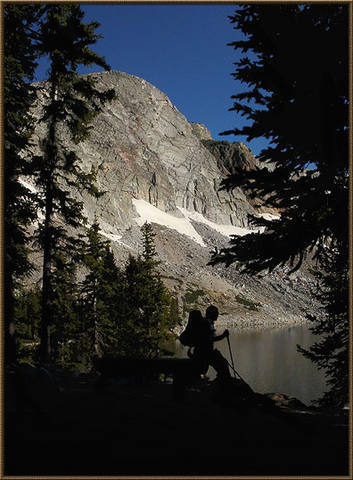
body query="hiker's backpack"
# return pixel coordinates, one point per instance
(191, 333)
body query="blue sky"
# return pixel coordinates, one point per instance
(180, 49)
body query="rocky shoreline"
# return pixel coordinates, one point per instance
(257, 324)
(254, 324)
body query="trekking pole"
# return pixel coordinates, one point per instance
(231, 356)
(235, 372)
(230, 351)
(232, 366)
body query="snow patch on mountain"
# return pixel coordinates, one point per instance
(226, 230)
(152, 214)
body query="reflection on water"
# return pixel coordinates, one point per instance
(268, 360)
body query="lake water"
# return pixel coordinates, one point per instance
(269, 362)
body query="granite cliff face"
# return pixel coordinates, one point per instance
(156, 166)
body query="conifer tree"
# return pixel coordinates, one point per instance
(27, 314)
(331, 351)
(148, 319)
(72, 104)
(20, 57)
(101, 295)
(133, 335)
(297, 98)
(113, 296)
(64, 326)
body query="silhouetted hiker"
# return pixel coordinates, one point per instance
(200, 335)
(205, 353)
(191, 334)
(195, 336)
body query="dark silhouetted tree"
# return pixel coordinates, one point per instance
(330, 351)
(151, 311)
(102, 295)
(72, 104)
(297, 98)
(27, 314)
(20, 57)
(65, 319)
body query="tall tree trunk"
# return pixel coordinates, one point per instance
(47, 314)
(97, 338)
(46, 317)
(9, 306)
(8, 294)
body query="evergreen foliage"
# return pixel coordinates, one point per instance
(100, 296)
(331, 351)
(110, 312)
(151, 312)
(67, 321)
(298, 99)
(73, 102)
(18, 69)
(64, 326)
(27, 314)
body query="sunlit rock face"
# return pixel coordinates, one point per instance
(145, 148)
(201, 131)
(153, 153)
(156, 166)
(232, 155)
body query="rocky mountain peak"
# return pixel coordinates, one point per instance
(145, 149)
(156, 166)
